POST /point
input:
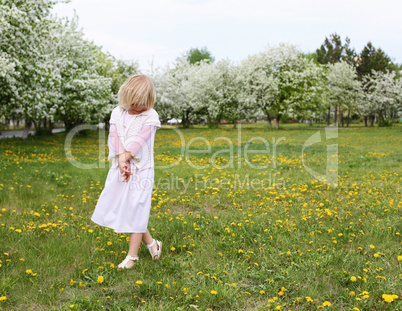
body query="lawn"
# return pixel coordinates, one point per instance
(244, 224)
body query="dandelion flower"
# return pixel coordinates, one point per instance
(214, 292)
(100, 279)
(389, 298)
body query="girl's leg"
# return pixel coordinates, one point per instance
(135, 241)
(147, 238)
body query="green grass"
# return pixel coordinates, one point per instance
(230, 242)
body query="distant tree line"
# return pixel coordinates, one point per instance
(334, 83)
(50, 73)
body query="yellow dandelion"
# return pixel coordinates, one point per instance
(389, 298)
(138, 282)
(353, 279)
(3, 298)
(214, 292)
(326, 304)
(29, 271)
(100, 279)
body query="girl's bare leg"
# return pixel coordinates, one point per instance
(135, 241)
(147, 238)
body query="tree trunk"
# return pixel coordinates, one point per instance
(335, 115)
(372, 120)
(185, 120)
(341, 116)
(380, 118)
(278, 117)
(348, 117)
(311, 122)
(28, 125)
(269, 120)
(235, 124)
(50, 126)
(365, 121)
(7, 124)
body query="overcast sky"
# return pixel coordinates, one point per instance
(162, 30)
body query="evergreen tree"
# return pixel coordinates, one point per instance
(373, 59)
(333, 51)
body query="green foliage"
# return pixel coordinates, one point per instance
(196, 55)
(385, 122)
(333, 50)
(373, 59)
(311, 56)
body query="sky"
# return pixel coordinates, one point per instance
(159, 31)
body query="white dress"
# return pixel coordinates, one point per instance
(125, 206)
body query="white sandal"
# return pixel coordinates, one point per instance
(158, 252)
(123, 264)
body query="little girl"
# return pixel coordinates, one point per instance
(125, 202)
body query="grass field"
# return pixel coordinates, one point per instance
(241, 231)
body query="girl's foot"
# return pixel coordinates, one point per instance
(128, 262)
(155, 249)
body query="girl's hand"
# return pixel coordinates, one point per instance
(124, 165)
(125, 173)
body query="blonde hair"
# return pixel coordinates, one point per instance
(138, 90)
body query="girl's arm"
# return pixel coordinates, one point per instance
(116, 149)
(134, 149)
(142, 140)
(114, 143)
